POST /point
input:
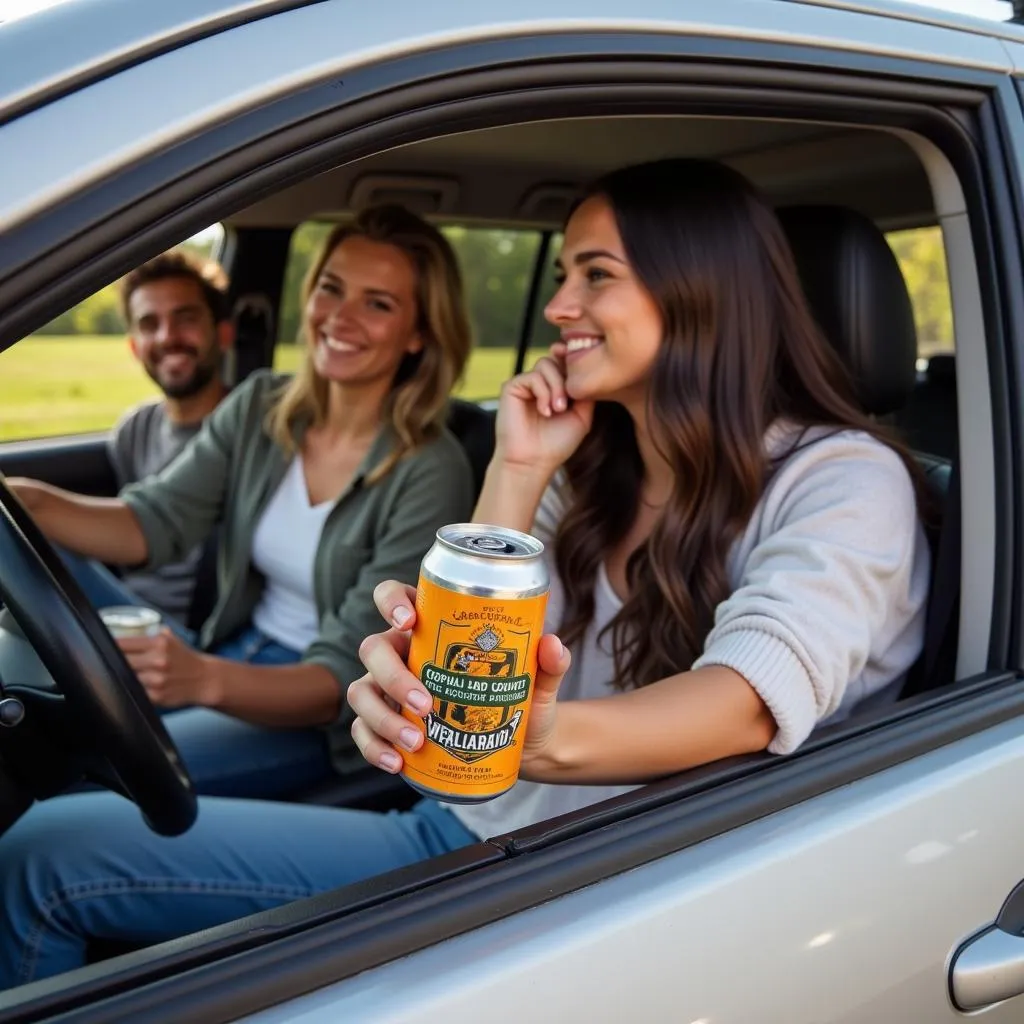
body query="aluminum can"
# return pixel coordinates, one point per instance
(480, 606)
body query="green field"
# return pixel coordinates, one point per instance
(72, 385)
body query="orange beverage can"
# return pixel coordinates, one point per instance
(480, 605)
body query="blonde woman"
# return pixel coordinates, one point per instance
(323, 485)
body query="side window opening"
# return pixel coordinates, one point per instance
(922, 258)
(929, 420)
(497, 266)
(542, 334)
(75, 375)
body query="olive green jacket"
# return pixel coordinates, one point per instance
(229, 472)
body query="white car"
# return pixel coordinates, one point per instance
(870, 878)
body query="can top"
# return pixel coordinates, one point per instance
(490, 541)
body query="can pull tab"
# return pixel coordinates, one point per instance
(491, 545)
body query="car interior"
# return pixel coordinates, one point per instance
(837, 189)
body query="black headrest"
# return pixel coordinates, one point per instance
(473, 428)
(859, 298)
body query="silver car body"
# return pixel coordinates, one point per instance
(846, 907)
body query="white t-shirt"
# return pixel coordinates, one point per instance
(829, 586)
(283, 550)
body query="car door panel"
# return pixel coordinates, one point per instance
(76, 463)
(846, 909)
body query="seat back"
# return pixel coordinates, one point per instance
(473, 428)
(929, 420)
(859, 297)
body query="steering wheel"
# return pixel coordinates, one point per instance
(112, 717)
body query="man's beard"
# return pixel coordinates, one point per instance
(202, 374)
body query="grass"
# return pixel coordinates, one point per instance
(72, 385)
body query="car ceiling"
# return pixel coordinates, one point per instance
(527, 174)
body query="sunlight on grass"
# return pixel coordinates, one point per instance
(67, 385)
(51, 386)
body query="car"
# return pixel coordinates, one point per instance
(873, 875)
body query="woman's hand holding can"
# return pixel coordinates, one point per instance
(381, 731)
(388, 685)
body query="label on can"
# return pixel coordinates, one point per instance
(477, 656)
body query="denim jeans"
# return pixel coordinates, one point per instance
(84, 867)
(103, 589)
(224, 755)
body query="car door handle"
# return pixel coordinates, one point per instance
(987, 969)
(989, 966)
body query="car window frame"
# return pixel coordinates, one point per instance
(931, 722)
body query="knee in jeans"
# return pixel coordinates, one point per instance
(33, 864)
(57, 845)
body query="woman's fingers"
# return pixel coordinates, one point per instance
(378, 727)
(383, 655)
(531, 387)
(545, 383)
(552, 656)
(378, 697)
(396, 602)
(554, 377)
(374, 749)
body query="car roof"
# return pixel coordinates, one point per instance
(63, 46)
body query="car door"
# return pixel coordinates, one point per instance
(842, 908)
(832, 885)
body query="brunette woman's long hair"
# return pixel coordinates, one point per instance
(740, 350)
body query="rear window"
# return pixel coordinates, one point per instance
(922, 258)
(497, 267)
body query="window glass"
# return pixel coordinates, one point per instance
(922, 258)
(497, 266)
(542, 334)
(76, 374)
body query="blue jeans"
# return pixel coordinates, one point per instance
(86, 867)
(103, 589)
(224, 755)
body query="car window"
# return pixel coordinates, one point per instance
(542, 334)
(76, 375)
(497, 267)
(922, 258)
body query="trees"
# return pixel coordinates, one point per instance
(922, 259)
(100, 313)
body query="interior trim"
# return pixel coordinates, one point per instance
(975, 431)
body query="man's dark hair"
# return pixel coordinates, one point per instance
(208, 274)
